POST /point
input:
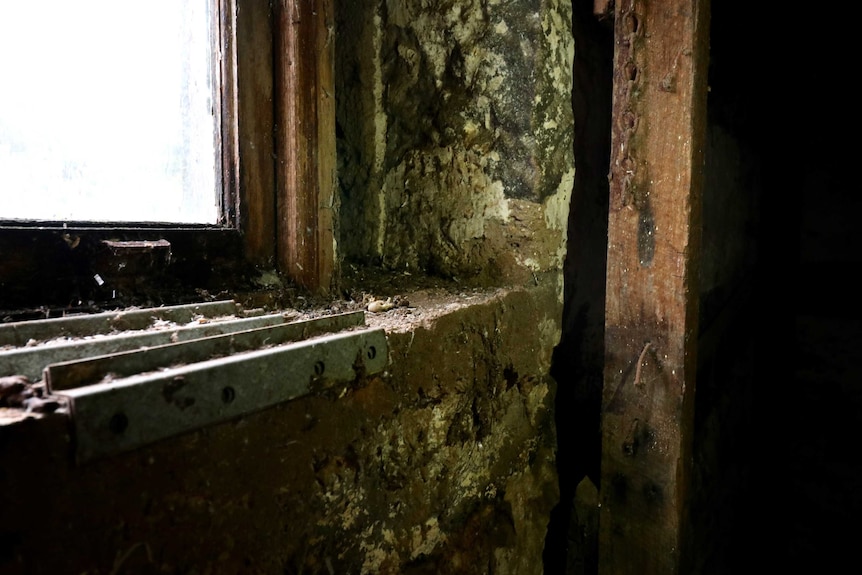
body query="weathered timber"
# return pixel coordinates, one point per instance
(305, 141)
(326, 150)
(254, 45)
(224, 67)
(659, 102)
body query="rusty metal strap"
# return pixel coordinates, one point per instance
(120, 415)
(179, 369)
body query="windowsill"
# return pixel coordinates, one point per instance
(398, 303)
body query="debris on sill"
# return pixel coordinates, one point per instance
(385, 301)
(384, 305)
(17, 391)
(24, 395)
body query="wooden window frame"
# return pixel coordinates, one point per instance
(277, 146)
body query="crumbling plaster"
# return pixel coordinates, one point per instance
(455, 135)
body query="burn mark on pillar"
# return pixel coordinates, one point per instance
(653, 493)
(619, 488)
(632, 441)
(646, 232)
(640, 436)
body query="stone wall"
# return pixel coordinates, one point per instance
(454, 130)
(445, 463)
(455, 135)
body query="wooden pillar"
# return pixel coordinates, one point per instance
(305, 141)
(254, 86)
(659, 117)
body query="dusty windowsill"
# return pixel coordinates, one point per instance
(408, 303)
(411, 300)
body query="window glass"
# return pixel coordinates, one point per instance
(107, 111)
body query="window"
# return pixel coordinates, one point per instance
(259, 140)
(108, 112)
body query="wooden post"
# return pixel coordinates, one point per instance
(326, 167)
(305, 136)
(659, 105)
(254, 69)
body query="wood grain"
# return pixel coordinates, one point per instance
(659, 102)
(255, 80)
(305, 142)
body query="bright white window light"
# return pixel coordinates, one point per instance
(107, 112)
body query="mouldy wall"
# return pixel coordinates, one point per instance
(455, 135)
(455, 160)
(444, 464)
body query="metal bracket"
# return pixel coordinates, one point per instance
(123, 414)
(129, 389)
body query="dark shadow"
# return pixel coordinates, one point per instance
(778, 84)
(579, 358)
